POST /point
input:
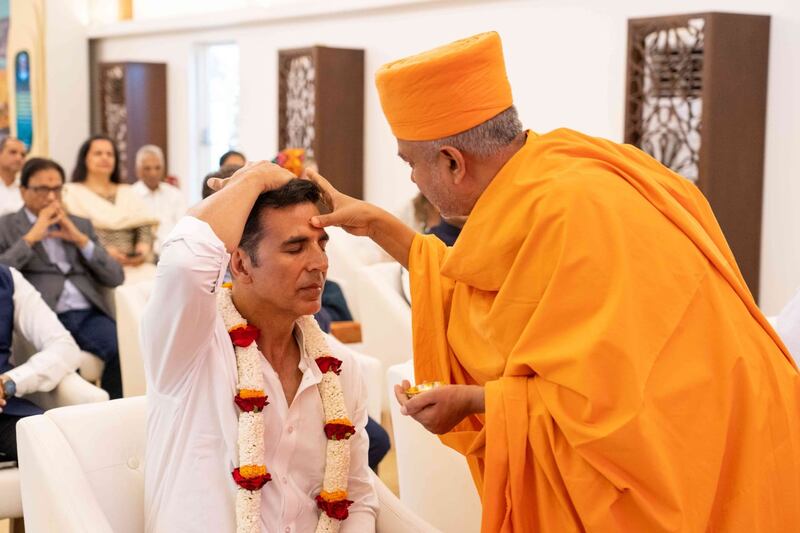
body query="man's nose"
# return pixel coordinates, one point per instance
(319, 261)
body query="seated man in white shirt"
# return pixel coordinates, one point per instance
(213, 353)
(165, 201)
(12, 156)
(24, 312)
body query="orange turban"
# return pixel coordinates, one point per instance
(445, 91)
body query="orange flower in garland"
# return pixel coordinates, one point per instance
(251, 404)
(339, 429)
(334, 504)
(329, 364)
(292, 159)
(243, 335)
(251, 478)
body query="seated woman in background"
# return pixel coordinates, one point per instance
(124, 224)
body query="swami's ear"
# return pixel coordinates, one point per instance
(454, 163)
(241, 266)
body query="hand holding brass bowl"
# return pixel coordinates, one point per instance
(422, 387)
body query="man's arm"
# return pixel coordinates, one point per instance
(56, 355)
(17, 252)
(181, 313)
(226, 211)
(17, 255)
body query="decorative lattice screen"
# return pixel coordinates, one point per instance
(115, 113)
(297, 105)
(665, 96)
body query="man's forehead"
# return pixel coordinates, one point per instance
(44, 175)
(14, 144)
(291, 221)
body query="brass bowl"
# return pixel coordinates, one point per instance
(425, 386)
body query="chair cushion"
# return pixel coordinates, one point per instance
(109, 446)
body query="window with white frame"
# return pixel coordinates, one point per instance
(217, 114)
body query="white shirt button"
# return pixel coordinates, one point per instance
(133, 463)
(290, 430)
(288, 529)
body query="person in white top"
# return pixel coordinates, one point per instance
(165, 201)
(278, 266)
(24, 312)
(12, 156)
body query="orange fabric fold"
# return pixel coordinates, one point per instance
(632, 384)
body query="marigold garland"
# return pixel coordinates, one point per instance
(252, 475)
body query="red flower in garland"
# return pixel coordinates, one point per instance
(243, 336)
(329, 364)
(253, 483)
(336, 509)
(251, 404)
(339, 430)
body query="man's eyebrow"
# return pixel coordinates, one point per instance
(299, 239)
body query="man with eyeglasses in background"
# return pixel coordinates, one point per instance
(59, 254)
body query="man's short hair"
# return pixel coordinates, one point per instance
(295, 192)
(7, 138)
(484, 140)
(228, 154)
(37, 164)
(149, 149)
(225, 172)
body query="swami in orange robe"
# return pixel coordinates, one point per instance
(631, 382)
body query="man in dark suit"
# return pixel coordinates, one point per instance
(60, 255)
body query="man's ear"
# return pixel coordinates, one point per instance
(241, 266)
(455, 163)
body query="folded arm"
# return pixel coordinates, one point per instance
(56, 355)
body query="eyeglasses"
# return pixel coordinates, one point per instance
(43, 190)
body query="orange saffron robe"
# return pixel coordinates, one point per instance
(632, 384)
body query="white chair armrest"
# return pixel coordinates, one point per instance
(372, 373)
(72, 390)
(55, 493)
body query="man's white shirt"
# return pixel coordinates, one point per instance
(56, 355)
(192, 425)
(167, 203)
(10, 197)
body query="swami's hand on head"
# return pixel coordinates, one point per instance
(352, 215)
(272, 176)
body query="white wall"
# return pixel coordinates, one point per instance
(566, 62)
(67, 76)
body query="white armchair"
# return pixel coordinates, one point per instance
(445, 496)
(386, 316)
(130, 303)
(346, 255)
(72, 390)
(71, 482)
